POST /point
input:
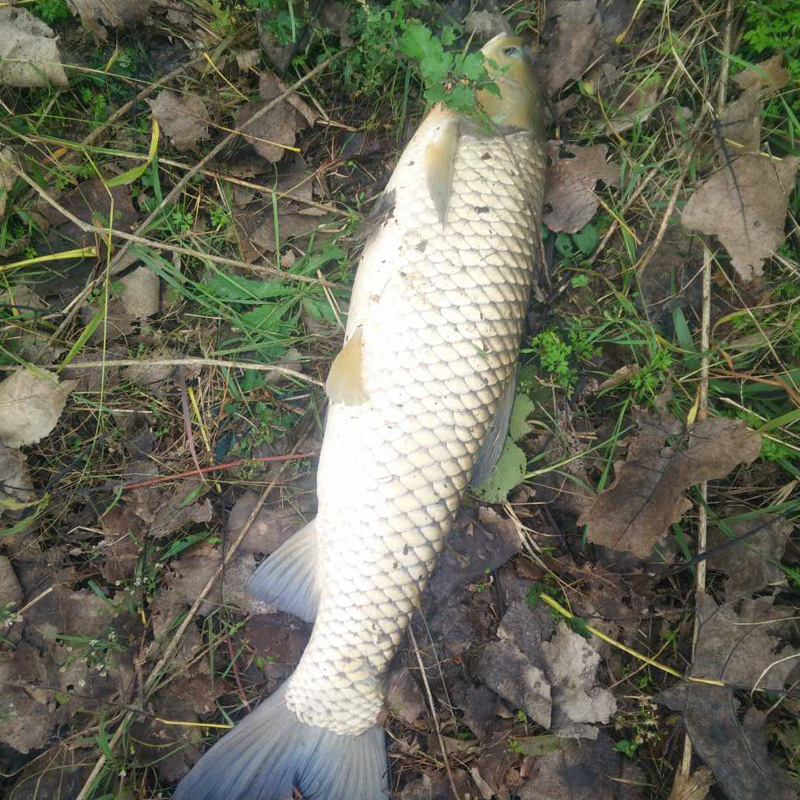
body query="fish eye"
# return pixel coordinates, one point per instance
(512, 52)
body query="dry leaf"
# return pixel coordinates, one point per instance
(270, 529)
(95, 14)
(92, 202)
(768, 76)
(487, 24)
(7, 175)
(549, 673)
(255, 228)
(747, 214)
(585, 31)
(692, 787)
(647, 494)
(16, 486)
(276, 130)
(10, 591)
(187, 578)
(141, 293)
(403, 697)
(736, 647)
(573, 173)
(26, 716)
(184, 118)
(631, 104)
(754, 562)
(28, 52)
(740, 125)
(121, 551)
(165, 511)
(581, 770)
(247, 59)
(30, 406)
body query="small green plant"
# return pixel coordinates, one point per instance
(51, 11)
(280, 23)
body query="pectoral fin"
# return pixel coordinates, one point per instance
(496, 437)
(345, 382)
(440, 158)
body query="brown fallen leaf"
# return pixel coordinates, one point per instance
(119, 546)
(164, 511)
(96, 14)
(140, 293)
(92, 202)
(581, 770)
(692, 787)
(28, 51)
(30, 405)
(184, 118)
(487, 24)
(583, 33)
(646, 497)
(630, 104)
(57, 774)
(735, 643)
(7, 176)
(26, 713)
(744, 205)
(754, 562)
(769, 76)
(571, 178)
(550, 673)
(740, 124)
(272, 133)
(270, 529)
(16, 486)
(10, 591)
(256, 230)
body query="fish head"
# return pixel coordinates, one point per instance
(519, 103)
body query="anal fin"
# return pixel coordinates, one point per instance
(440, 158)
(345, 382)
(289, 578)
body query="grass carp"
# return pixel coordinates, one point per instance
(433, 335)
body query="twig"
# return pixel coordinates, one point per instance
(702, 408)
(177, 638)
(435, 719)
(127, 487)
(187, 426)
(173, 362)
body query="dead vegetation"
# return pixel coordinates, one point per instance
(180, 190)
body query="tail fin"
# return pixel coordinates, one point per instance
(289, 578)
(270, 752)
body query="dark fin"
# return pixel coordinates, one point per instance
(271, 752)
(496, 437)
(440, 158)
(289, 578)
(345, 383)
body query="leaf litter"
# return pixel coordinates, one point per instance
(497, 689)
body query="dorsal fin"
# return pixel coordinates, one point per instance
(440, 158)
(345, 382)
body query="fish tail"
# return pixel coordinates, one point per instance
(271, 752)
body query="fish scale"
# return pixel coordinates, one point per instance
(441, 334)
(420, 387)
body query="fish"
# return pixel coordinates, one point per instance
(419, 398)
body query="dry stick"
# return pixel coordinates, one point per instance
(158, 479)
(177, 639)
(429, 694)
(172, 362)
(702, 407)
